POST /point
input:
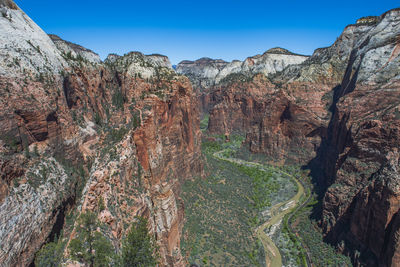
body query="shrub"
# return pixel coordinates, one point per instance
(116, 135)
(118, 99)
(138, 247)
(136, 121)
(36, 151)
(102, 205)
(50, 255)
(97, 118)
(90, 246)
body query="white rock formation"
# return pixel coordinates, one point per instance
(206, 72)
(24, 46)
(75, 51)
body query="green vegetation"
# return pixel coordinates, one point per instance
(69, 56)
(50, 255)
(90, 246)
(218, 230)
(94, 249)
(287, 193)
(117, 135)
(263, 185)
(97, 118)
(224, 209)
(12, 141)
(136, 119)
(289, 244)
(36, 151)
(236, 78)
(307, 235)
(27, 153)
(101, 205)
(118, 99)
(322, 254)
(307, 231)
(204, 122)
(138, 247)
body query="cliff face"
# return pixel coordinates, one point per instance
(360, 156)
(283, 117)
(75, 130)
(338, 111)
(202, 72)
(295, 128)
(208, 74)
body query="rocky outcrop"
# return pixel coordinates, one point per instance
(273, 110)
(360, 156)
(206, 74)
(76, 130)
(71, 50)
(340, 109)
(202, 72)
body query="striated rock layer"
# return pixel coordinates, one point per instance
(75, 130)
(360, 156)
(337, 111)
(206, 73)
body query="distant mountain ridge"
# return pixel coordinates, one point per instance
(206, 72)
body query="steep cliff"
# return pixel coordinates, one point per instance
(360, 156)
(338, 112)
(275, 113)
(206, 74)
(75, 130)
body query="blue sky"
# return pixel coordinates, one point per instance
(227, 29)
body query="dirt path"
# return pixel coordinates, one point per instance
(273, 257)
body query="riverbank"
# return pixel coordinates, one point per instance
(276, 212)
(250, 213)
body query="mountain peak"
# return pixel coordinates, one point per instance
(281, 51)
(8, 3)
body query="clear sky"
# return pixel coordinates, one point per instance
(226, 29)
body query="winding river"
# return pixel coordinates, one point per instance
(273, 257)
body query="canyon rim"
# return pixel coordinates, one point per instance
(121, 137)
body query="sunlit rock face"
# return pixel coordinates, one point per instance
(75, 130)
(206, 74)
(360, 155)
(337, 111)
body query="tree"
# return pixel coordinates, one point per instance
(138, 248)
(50, 255)
(90, 246)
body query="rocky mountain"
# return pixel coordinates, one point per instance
(202, 72)
(206, 72)
(77, 132)
(360, 155)
(337, 112)
(74, 51)
(120, 137)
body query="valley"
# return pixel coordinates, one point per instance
(279, 159)
(242, 213)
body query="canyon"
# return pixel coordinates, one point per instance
(77, 131)
(335, 112)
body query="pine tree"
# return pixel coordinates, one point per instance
(138, 248)
(50, 255)
(90, 246)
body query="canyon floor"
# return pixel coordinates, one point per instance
(122, 139)
(249, 212)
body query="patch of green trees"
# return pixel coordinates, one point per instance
(91, 247)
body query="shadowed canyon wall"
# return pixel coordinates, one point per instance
(337, 112)
(75, 130)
